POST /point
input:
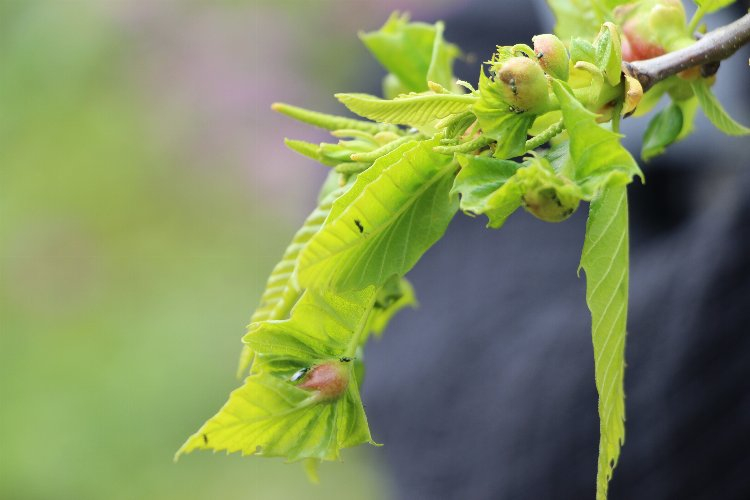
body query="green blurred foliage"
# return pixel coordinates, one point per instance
(126, 274)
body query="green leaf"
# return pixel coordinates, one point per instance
(582, 50)
(598, 157)
(608, 53)
(714, 111)
(386, 229)
(688, 107)
(270, 415)
(413, 52)
(479, 183)
(709, 6)
(663, 129)
(605, 262)
(281, 291)
(327, 122)
(498, 122)
(577, 18)
(395, 295)
(415, 110)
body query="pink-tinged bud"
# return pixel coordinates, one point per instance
(524, 85)
(329, 380)
(552, 56)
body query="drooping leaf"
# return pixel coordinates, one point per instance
(415, 110)
(387, 228)
(270, 415)
(663, 129)
(582, 50)
(413, 52)
(714, 111)
(281, 291)
(709, 6)
(598, 157)
(605, 262)
(499, 122)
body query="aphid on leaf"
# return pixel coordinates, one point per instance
(359, 225)
(299, 374)
(205, 439)
(345, 359)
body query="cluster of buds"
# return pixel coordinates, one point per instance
(523, 79)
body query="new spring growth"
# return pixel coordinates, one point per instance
(524, 85)
(552, 56)
(329, 380)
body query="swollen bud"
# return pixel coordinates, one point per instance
(552, 55)
(329, 380)
(549, 204)
(524, 85)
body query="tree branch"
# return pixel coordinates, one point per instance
(711, 48)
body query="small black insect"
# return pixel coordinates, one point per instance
(299, 374)
(513, 86)
(359, 226)
(345, 359)
(205, 439)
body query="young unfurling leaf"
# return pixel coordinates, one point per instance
(663, 130)
(384, 230)
(415, 110)
(414, 53)
(605, 261)
(715, 112)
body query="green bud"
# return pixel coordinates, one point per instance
(549, 204)
(524, 85)
(329, 380)
(547, 195)
(552, 55)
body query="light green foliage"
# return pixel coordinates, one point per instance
(581, 18)
(663, 129)
(386, 228)
(269, 415)
(392, 193)
(605, 262)
(715, 112)
(608, 53)
(414, 53)
(709, 6)
(415, 110)
(480, 184)
(600, 159)
(281, 291)
(499, 122)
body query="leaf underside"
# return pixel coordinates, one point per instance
(606, 264)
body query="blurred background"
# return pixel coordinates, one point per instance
(145, 194)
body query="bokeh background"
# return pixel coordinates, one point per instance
(145, 194)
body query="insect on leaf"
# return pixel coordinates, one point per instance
(605, 262)
(385, 230)
(270, 415)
